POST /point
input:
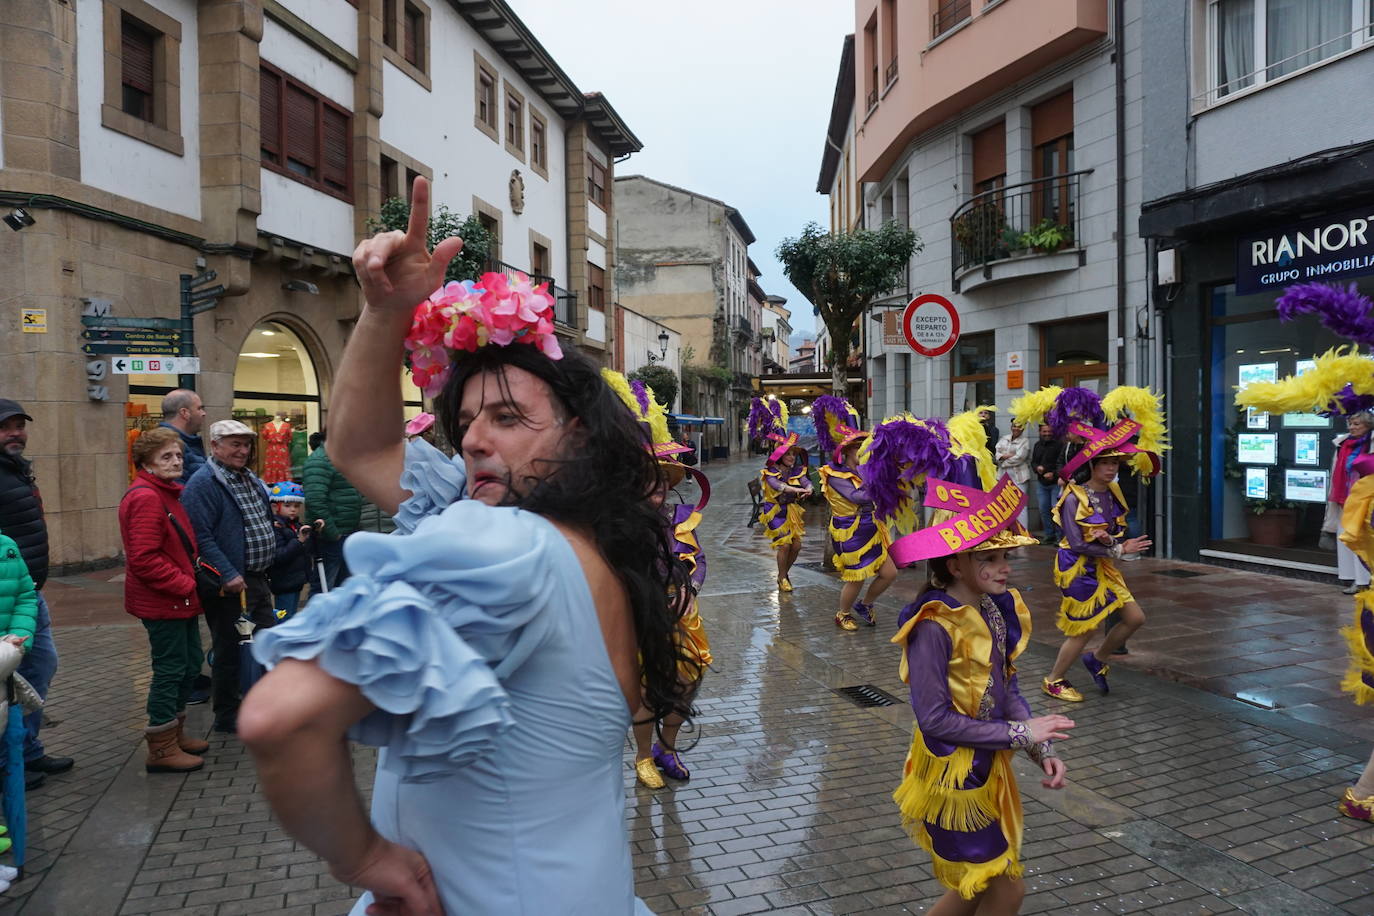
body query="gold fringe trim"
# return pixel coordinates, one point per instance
(1065, 578)
(930, 791)
(863, 572)
(969, 879)
(1361, 660)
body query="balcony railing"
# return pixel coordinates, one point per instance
(949, 14)
(872, 101)
(1039, 216)
(564, 302)
(890, 75)
(743, 329)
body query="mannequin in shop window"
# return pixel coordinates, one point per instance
(276, 455)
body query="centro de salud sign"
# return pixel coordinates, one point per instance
(1323, 249)
(930, 325)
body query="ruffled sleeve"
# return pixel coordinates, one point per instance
(435, 482)
(429, 626)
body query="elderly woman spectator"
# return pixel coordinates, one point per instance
(160, 590)
(1013, 454)
(1343, 477)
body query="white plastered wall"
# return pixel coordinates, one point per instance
(118, 163)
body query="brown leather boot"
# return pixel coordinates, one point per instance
(163, 754)
(189, 743)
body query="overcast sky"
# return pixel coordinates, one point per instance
(731, 99)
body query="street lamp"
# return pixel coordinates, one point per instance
(662, 353)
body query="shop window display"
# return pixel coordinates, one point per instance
(1269, 475)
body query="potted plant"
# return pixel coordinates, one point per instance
(979, 230)
(1271, 522)
(1046, 236)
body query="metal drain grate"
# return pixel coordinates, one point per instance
(867, 695)
(1180, 573)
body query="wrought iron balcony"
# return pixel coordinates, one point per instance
(744, 330)
(1033, 217)
(890, 75)
(949, 14)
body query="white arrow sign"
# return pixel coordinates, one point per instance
(139, 365)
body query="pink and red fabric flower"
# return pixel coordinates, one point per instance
(496, 309)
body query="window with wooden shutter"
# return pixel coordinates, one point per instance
(389, 23)
(302, 130)
(596, 183)
(138, 44)
(414, 36)
(304, 136)
(269, 115)
(596, 287)
(334, 147)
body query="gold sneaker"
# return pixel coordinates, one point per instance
(845, 622)
(784, 584)
(1061, 690)
(1362, 809)
(648, 774)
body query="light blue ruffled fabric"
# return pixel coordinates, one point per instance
(430, 623)
(435, 481)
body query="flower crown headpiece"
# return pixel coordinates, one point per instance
(464, 316)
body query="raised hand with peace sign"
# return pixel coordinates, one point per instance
(396, 269)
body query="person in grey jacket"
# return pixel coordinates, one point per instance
(230, 511)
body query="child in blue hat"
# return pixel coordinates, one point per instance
(295, 548)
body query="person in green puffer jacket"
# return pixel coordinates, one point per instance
(330, 498)
(18, 597)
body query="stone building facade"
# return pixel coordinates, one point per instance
(152, 139)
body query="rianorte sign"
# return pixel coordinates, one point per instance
(1323, 249)
(930, 325)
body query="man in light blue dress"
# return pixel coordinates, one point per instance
(495, 645)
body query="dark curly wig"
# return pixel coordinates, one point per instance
(601, 484)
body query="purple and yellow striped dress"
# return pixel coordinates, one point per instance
(860, 542)
(782, 516)
(1084, 568)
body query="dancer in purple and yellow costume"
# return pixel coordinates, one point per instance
(784, 480)
(682, 520)
(858, 540)
(1340, 383)
(960, 638)
(1092, 515)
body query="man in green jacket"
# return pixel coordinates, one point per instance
(331, 498)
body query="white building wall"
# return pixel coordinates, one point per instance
(118, 163)
(336, 20)
(303, 214)
(938, 170)
(641, 339)
(436, 128)
(302, 62)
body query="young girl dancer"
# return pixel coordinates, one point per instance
(784, 480)
(695, 649)
(1091, 513)
(960, 638)
(859, 541)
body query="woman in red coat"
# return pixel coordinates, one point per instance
(160, 590)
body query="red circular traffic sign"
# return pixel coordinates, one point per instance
(930, 325)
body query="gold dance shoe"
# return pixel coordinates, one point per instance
(845, 622)
(648, 774)
(1061, 690)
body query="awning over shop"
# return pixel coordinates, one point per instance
(803, 385)
(686, 419)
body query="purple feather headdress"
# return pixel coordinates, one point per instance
(1347, 402)
(765, 417)
(828, 411)
(899, 451)
(1344, 311)
(1081, 404)
(641, 394)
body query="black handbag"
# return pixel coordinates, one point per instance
(209, 581)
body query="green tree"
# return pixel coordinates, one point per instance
(661, 379)
(841, 274)
(471, 262)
